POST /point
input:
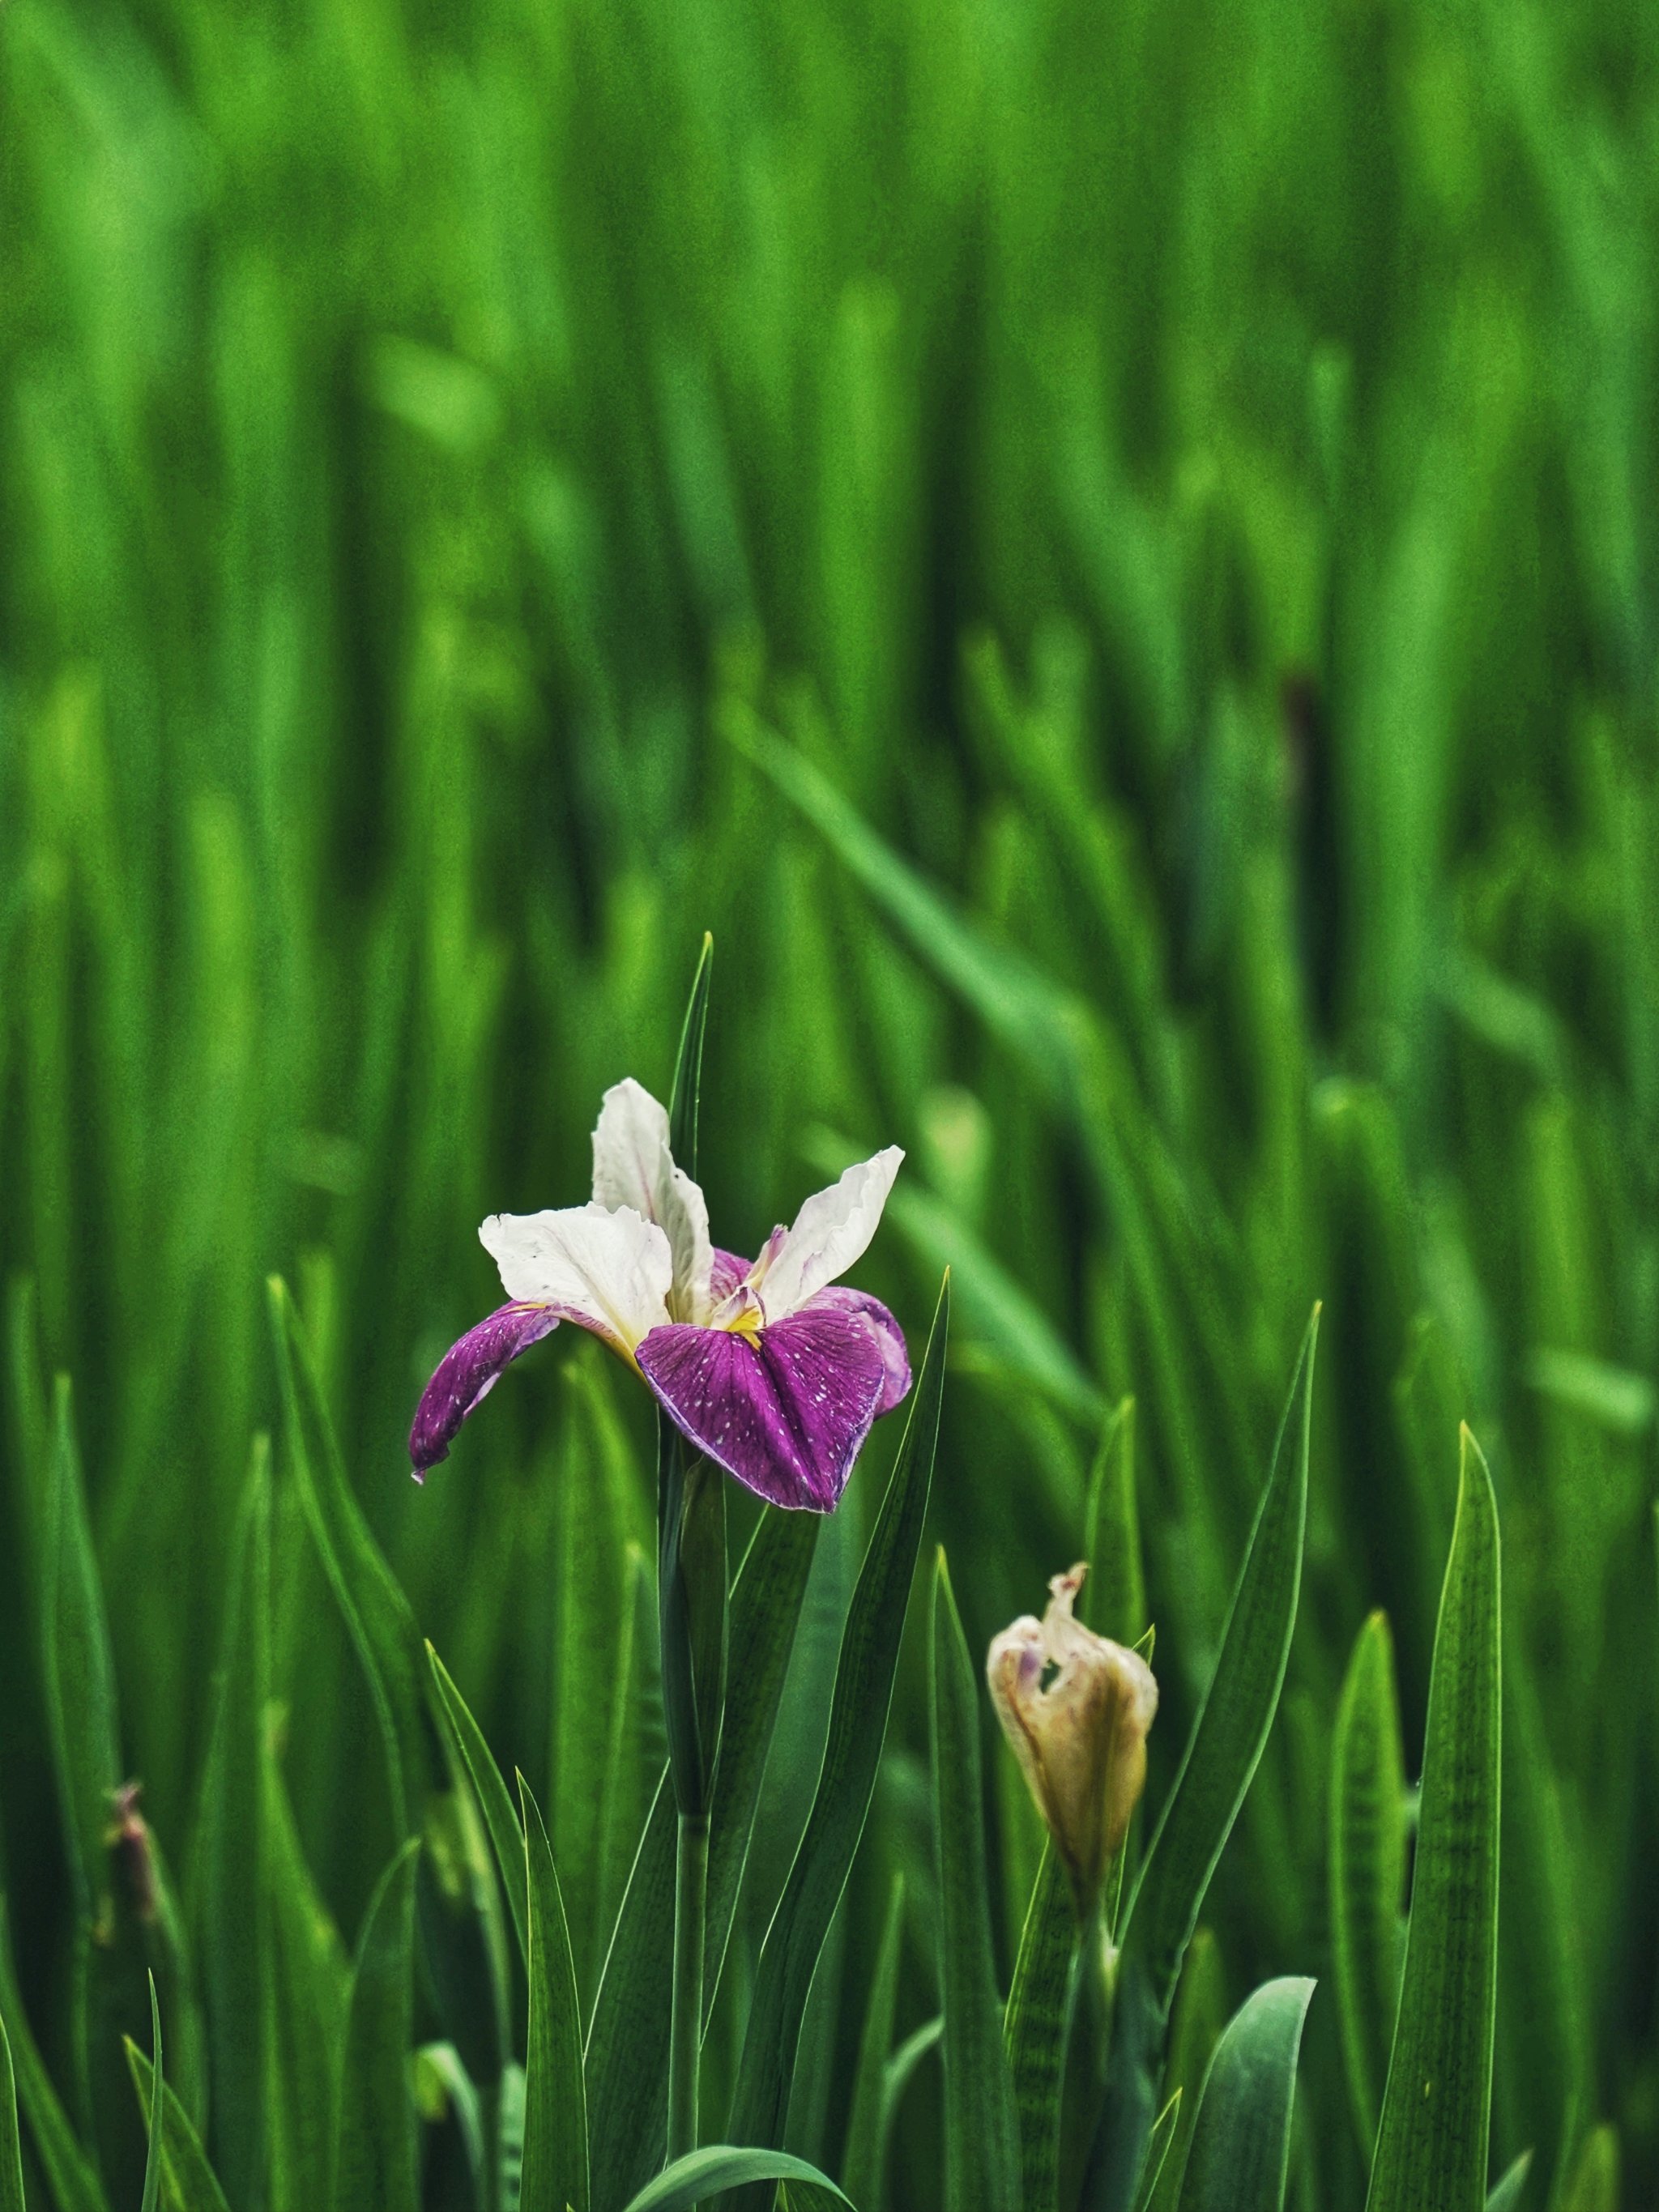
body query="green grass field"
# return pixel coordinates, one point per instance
(1109, 555)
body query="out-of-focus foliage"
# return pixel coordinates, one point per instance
(1109, 556)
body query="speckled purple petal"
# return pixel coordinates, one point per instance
(786, 1411)
(896, 1360)
(468, 1372)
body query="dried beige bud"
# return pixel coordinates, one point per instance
(1076, 1710)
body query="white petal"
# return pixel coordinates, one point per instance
(629, 1145)
(609, 1269)
(829, 1233)
(685, 1217)
(633, 1166)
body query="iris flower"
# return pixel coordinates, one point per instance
(771, 1368)
(1076, 1708)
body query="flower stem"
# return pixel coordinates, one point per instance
(1086, 2051)
(685, 2031)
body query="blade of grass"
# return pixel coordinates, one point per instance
(188, 2182)
(1511, 2186)
(154, 2153)
(376, 1612)
(1034, 2028)
(1160, 2147)
(1595, 2175)
(555, 2173)
(373, 2164)
(858, 1727)
(308, 1995)
(981, 2129)
(1221, 1756)
(476, 1761)
(1196, 2020)
(592, 1514)
(861, 2166)
(69, 2173)
(691, 1623)
(636, 1750)
(80, 1675)
(11, 2147)
(773, 1582)
(1241, 2146)
(1113, 1600)
(228, 1857)
(1368, 1869)
(718, 2167)
(627, 2039)
(1431, 2137)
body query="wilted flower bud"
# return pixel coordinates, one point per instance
(1079, 1731)
(129, 1838)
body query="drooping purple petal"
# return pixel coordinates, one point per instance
(468, 1372)
(896, 1360)
(785, 1411)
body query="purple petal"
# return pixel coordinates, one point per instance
(468, 1372)
(786, 1411)
(728, 1272)
(896, 1360)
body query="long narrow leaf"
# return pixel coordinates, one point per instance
(80, 1674)
(594, 1513)
(188, 2182)
(691, 1505)
(555, 2170)
(155, 2152)
(1014, 999)
(861, 2172)
(627, 2055)
(228, 1862)
(1594, 2183)
(685, 1094)
(902, 2067)
(477, 1762)
(309, 1996)
(1033, 2027)
(1241, 2146)
(1509, 2190)
(766, 1603)
(11, 2147)
(1368, 1869)
(858, 1727)
(1221, 1756)
(1232, 1728)
(376, 1612)
(373, 2168)
(1160, 2149)
(69, 2173)
(982, 2131)
(637, 1747)
(1113, 1600)
(721, 2167)
(1196, 2020)
(1431, 2137)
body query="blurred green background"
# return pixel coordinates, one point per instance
(1109, 555)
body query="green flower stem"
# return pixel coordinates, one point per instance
(685, 2032)
(1087, 2052)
